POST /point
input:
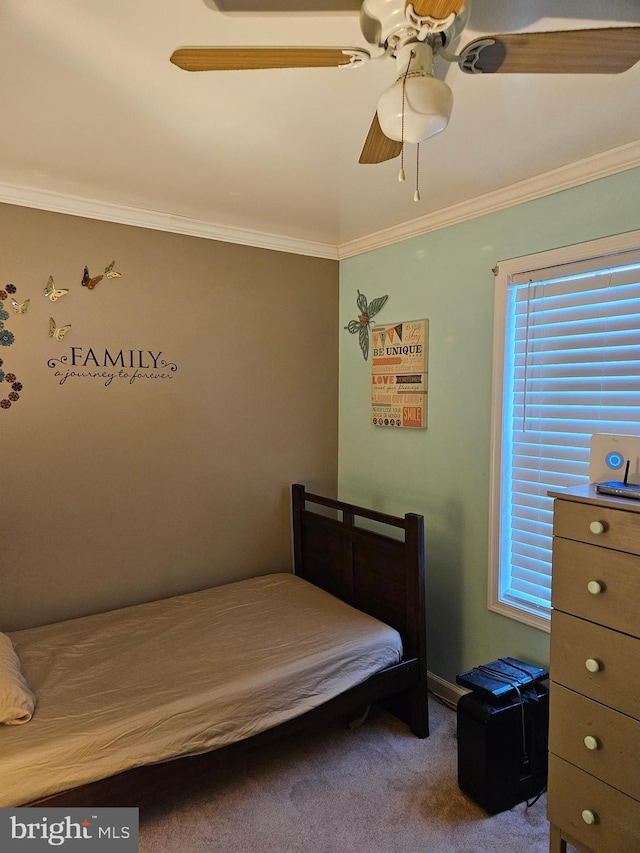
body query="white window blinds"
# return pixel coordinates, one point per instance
(571, 369)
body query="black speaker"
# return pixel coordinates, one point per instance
(502, 747)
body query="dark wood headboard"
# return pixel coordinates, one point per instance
(379, 574)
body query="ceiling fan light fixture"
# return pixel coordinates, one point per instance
(414, 109)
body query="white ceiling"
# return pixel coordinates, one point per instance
(93, 112)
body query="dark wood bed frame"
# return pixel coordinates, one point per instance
(376, 573)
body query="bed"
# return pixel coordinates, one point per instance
(118, 706)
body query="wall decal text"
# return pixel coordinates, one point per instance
(112, 364)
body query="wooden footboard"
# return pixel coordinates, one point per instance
(342, 548)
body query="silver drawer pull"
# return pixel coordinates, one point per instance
(597, 527)
(592, 665)
(595, 587)
(589, 817)
(591, 742)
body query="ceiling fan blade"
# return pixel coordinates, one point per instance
(251, 58)
(438, 9)
(264, 6)
(378, 147)
(608, 50)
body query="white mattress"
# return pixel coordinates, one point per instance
(180, 676)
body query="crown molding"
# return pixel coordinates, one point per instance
(141, 218)
(581, 172)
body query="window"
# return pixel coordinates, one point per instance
(566, 366)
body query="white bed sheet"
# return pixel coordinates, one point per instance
(181, 676)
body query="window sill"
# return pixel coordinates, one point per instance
(510, 611)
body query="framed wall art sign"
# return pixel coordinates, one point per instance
(399, 374)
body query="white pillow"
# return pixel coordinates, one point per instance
(17, 702)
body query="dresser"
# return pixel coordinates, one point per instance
(594, 718)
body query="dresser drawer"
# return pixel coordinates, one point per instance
(597, 584)
(613, 740)
(620, 529)
(572, 793)
(615, 683)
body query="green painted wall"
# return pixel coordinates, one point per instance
(443, 471)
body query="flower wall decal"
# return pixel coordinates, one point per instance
(6, 340)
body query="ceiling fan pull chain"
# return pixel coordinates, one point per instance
(416, 195)
(401, 175)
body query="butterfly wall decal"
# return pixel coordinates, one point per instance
(110, 272)
(20, 307)
(361, 325)
(89, 282)
(57, 332)
(51, 291)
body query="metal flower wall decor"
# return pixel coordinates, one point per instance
(6, 340)
(361, 325)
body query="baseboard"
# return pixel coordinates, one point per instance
(446, 691)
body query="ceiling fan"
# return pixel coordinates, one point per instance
(412, 32)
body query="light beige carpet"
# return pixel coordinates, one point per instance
(377, 789)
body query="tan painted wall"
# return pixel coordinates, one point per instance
(116, 492)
